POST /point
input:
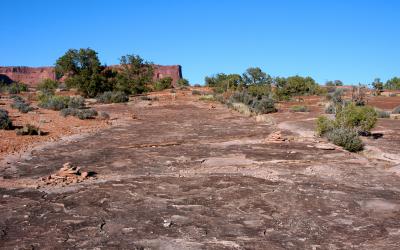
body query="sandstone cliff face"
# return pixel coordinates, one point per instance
(29, 75)
(34, 75)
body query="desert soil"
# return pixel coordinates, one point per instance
(186, 174)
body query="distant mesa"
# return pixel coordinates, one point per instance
(34, 75)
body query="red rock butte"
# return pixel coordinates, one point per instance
(34, 75)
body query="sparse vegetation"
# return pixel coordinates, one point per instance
(82, 114)
(348, 124)
(112, 97)
(28, 129)
(76, 102)
(47, 86)
(299, 108)
(16, 88)
(5, 121)
(346, 138)
(20, 104)
(164, 83)
(53, 102)
(182, 82)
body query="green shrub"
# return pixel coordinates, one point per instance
(47, 86)
(164, 83)
(53, 102)
(346, 138)
(16, 88)
(76, 102)
(360, 118)
(299, 108)
(324, 125)
(5, 122)
(28, 129)
(20, 104)
(182, 82)
(396, 110)
(112, 97)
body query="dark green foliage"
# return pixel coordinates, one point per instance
(135, 74)
(346, 138)
(222, 82)
(112, 97)
(164, 83)
(20, 104)
(16, 88)
(334, 83)
(259, 90)
(299, 108)
(53, 102)
(28, 129)
(378, 86)
(47, 86)
(295, 86)
(5, 122)
(263, 105)
(83, 70)
(182, 82)
(255, 76)
(393, 84)
(396, 110)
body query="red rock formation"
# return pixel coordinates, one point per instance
(29, 75)
(33, 76)
(174, 71)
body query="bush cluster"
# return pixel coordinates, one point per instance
(381, 113)
(20, 104)
(53, 102)
(82, 114)
(47, 86)
(14, 88)
(348, 124)
(112, 97)
(164, 83)
(5, 121)
(256, 104)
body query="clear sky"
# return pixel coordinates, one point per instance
(351, 40)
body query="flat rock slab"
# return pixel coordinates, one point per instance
(175, 180)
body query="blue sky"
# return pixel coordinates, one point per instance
(351, 40)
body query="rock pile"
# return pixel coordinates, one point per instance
(68, 174)
(276, 137)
